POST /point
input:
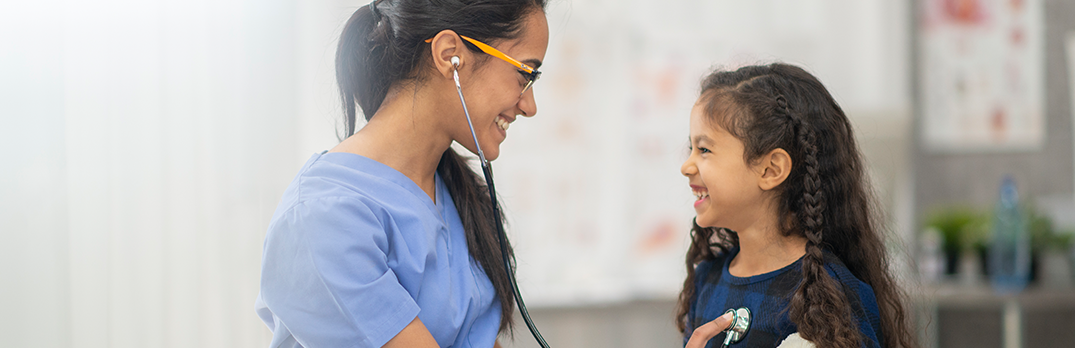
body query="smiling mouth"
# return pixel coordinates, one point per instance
(503, 122)
(700, 193)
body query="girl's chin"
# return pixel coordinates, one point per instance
(702, 222)
(709, 222)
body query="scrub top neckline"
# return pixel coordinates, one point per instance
(381, 170)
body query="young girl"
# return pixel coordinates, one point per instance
(785, 224)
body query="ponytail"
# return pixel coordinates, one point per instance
(381, 46)
(471, 197)
(359, 53)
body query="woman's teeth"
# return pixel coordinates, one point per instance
(502, 123)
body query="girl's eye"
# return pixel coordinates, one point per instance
(703, 150)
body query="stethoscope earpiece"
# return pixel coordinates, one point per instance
(455, 62)
(739, 326)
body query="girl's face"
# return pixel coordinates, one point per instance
(726, 186)
(493, 93)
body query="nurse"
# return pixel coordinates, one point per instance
(387, 239)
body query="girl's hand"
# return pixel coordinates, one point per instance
(703, 333)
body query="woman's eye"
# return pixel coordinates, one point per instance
(525, 75)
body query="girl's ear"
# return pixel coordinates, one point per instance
(774, 168)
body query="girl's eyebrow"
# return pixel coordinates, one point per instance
(699, 138)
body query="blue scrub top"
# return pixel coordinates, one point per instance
(356, 250)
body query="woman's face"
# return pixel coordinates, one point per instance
(493, 93)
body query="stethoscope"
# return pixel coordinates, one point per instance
(739, 326)
(488, 172)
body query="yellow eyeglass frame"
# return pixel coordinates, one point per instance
(531, 73)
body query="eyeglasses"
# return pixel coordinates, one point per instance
(531, 74)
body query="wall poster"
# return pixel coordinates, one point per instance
(981, 75)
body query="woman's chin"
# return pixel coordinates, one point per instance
(491, 152)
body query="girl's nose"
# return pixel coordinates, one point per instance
(688, 168)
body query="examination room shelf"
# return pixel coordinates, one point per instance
(962, 316)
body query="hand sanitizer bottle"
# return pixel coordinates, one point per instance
(1009, 252)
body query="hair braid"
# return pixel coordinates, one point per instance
(818, 296)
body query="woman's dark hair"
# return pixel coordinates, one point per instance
(824, 199)
(383, 45)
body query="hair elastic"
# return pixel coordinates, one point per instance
(373, 9)
(782, 103)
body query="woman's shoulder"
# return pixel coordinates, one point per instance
(347, 176)
(330, 185)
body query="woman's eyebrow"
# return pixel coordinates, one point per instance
(533, 63)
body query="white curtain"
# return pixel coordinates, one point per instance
(145, 145)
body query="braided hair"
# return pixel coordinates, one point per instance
(825, 199)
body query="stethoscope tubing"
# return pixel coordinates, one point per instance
(487, 171)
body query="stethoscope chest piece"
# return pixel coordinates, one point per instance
(739, 326)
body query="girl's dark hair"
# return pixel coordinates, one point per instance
(383, 45)
(824, 199)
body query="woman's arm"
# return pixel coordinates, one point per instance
(414, 335)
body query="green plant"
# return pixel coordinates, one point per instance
(1044, 236)
(962, 228)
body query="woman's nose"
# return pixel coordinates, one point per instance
(527, 104)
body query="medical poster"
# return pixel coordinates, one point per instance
(981, 75)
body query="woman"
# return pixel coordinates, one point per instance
(388, 239)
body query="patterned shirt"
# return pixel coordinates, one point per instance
(768, 295)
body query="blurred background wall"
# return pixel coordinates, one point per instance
(1044, 171)
(145, 145)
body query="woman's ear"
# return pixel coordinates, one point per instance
(444, 46)
(774, 168)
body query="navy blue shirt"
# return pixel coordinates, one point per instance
(768, 295)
